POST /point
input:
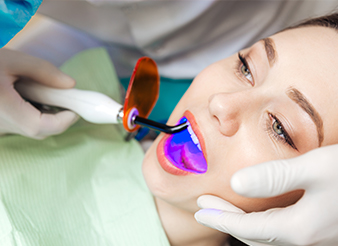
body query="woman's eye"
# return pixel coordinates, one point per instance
(279, 132)
(277, 127)
(244, 69)
(246, 72)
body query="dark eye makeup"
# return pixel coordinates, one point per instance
(274, 126)
(244, 69)
(277, 130)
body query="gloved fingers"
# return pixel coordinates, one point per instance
(39, 125)
(53, 124)
(18, 64)
(273, 178)
(24, 119)
(256, 228)
(209, 201)
(212, 217)
(317, 168)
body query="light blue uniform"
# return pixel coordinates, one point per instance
(14, 15)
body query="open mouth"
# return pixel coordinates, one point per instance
(183, 150)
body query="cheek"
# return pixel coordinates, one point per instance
(252, 204)
(262, 204)
(211, 80)
(170, 188)
(231, 164)
(150, 170)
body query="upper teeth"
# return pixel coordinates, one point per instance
(194, 137)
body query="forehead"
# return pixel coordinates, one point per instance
(309, 47)
(308, 58)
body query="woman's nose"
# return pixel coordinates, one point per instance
(228, 110)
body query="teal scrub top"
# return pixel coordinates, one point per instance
(14, 15)
(171, 91)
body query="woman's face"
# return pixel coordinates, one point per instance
(279, 100)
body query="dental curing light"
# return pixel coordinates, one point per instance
(95, 107)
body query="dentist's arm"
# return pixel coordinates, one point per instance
(20, 117)
(313, 220)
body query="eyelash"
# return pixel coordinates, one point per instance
(284, 137)
(242, 62)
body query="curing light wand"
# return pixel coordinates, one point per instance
(133, 119)
(159, 126)
(92, 106)
(95, 107)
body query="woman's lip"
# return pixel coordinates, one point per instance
(163, 160)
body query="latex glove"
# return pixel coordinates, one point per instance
(20, 117)
(313, 220)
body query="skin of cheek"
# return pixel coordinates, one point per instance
(234, 163)
(175, 190)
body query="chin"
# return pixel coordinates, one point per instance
(151, 172)
(165, 186)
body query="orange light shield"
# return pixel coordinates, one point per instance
(142, 92)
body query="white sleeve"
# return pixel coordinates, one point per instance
(182, 36)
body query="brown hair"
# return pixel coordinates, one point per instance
(324, 21)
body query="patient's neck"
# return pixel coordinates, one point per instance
(182, 229)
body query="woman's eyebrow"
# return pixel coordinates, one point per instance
(296, 96)
(270, 50)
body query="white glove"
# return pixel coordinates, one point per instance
(313, 220)
(20, 117)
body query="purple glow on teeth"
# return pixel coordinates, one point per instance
(184, 150)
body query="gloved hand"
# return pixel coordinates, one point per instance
(313, 220)
(20, 117)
